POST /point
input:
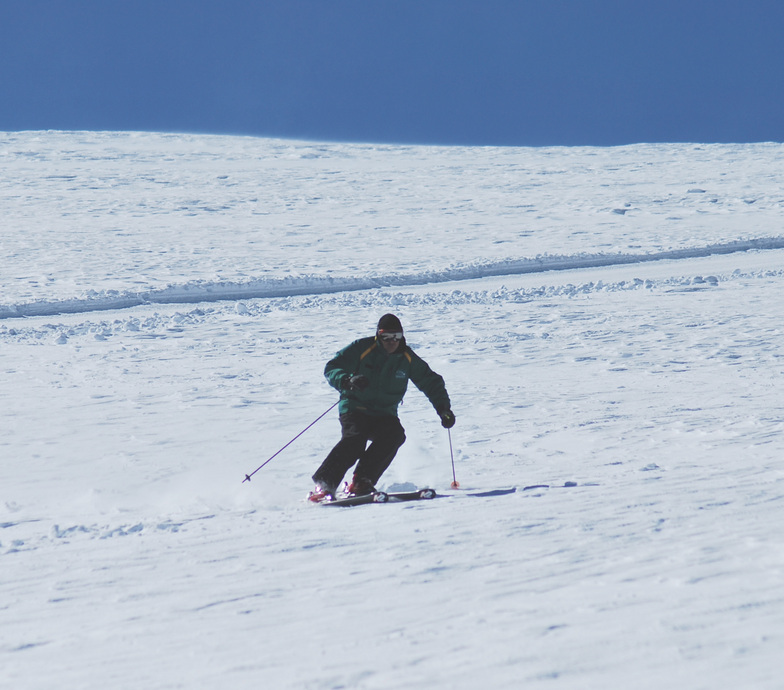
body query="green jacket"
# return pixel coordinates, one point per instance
(388, 376)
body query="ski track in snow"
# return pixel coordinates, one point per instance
(311, 285)
(131, 553)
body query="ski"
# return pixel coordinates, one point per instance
(381, 497)
(418, 495)
(375, 497)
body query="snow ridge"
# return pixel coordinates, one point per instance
(211, 291)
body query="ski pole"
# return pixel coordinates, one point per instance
(248, 476)
(455, 484)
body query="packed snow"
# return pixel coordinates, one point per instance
(609, 325)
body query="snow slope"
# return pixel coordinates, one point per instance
(646, 370)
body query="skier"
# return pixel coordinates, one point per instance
(372, 375)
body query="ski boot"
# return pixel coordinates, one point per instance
(360, 486)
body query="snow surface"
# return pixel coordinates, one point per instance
(607, 317)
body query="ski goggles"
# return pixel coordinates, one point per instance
(389, 337)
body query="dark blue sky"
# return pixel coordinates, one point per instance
(510, 72)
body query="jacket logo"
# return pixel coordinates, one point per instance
(400, 374)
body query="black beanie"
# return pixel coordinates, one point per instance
(390, 323)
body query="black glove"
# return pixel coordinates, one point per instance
(357, 382)
(447, 418)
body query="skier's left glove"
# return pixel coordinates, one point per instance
(447, 418)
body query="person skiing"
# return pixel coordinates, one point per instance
(372, 375)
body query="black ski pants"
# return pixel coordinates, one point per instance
(386, 435)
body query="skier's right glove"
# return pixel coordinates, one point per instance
(447, 418)
(357, 382)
